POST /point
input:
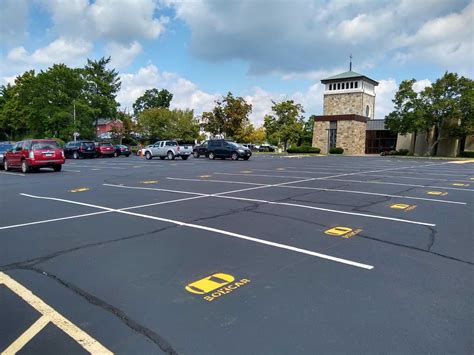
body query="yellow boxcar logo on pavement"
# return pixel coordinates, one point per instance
(150, 182)
(402, 206)
(80, 189)
(344, 232)
(459, 184)
(437, 193)
(209, 283)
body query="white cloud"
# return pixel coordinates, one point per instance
(121, 21)
(123, 55)
(420, 85)
(383, 101)
(306, 36)
(13, 20)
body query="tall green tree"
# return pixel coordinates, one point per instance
(13, 114)
(230, 117)
(285, 124)
(102, 86)
(152, 99)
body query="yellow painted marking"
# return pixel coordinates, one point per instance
(459, 184)
(150, 182)
(21, 341)
(471, 178)
(205, 176)
(437, 193)
(461, 161)
(48, 315)
(80, 189)
(344, 232)
(246, 171)
(209, 283)
(95, 169)
(281, 169)
(402, 206)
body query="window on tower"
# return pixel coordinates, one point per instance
(352, 84)
(355, 84)
(338, 86)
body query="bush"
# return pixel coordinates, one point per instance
(396, 152)
(467, 154)
(337, 150)
(303, 149)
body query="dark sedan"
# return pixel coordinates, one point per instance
(200, 150)
(121, 149)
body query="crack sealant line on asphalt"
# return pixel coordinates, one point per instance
(215, 230)
(325, 189)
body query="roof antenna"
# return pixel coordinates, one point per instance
(350, 63)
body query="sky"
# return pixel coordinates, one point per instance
(262, 50)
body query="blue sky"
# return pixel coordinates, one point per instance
(262, 50)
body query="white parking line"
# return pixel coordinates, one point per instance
(215, 230)
(7, 173)
(324, 189)
(400, 184)
(222, 195)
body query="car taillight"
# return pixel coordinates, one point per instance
(32, 154)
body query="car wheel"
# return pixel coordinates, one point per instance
(196, 154)
(5, 165)
(75, 155)
(170, 155)
(148, 156)
(184, 157)
(212, 156)
(234, 156)
(24, 167)
(57, 168)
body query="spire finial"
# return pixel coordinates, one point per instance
(350, 63)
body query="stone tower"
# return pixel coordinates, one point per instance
(349, 101)
(349, 93)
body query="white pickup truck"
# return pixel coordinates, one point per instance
(168, 149)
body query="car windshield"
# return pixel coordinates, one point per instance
(44, 145)
(5, 146)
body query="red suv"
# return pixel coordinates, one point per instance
(104, 150)
(34, 154)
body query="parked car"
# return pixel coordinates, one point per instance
(121, 149)
(4, 147)
(200, 149)
(34, 154)
(250, 146)
(79, 149)
(168, 149)
(103, 149)
(220, 148)
(267, 148)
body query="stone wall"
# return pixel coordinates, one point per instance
(320, 136)
(469, 145)
(368, 100)
(343, 104)
(351, 136)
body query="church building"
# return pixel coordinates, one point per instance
(348, 117)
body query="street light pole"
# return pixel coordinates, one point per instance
(74, 115)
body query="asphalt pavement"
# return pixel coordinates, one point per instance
(275, 255)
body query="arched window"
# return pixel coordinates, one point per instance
(355, 84)
(367, 111)
(352, 84)
(338, 86)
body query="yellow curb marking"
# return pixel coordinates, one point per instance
(48, 315)
(80, 189)
(402, 206)
(437, 193)
(344, 232)
(150, 182)
(459, 184)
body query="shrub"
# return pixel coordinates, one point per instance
(402, 152)
(337, 150)
(303, 149)
(467, 154)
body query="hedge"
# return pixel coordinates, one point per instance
(303, 149)
(337, 150)
(396, 152)
(467, 154)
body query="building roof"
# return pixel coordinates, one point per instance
(348, 75)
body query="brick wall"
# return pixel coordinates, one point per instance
(351, 136)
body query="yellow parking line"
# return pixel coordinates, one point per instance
(21, 341)
(48, 315)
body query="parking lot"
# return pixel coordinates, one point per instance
(275, 255)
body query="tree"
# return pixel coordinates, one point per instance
(102, 86)
(306, 137)
(229, 117)
(444, 102)
(152, 99)
(13, 116)
(409, 114)
(285, 124)
(184, 126)
(445, 107)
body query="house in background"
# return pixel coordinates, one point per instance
(105, 127)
